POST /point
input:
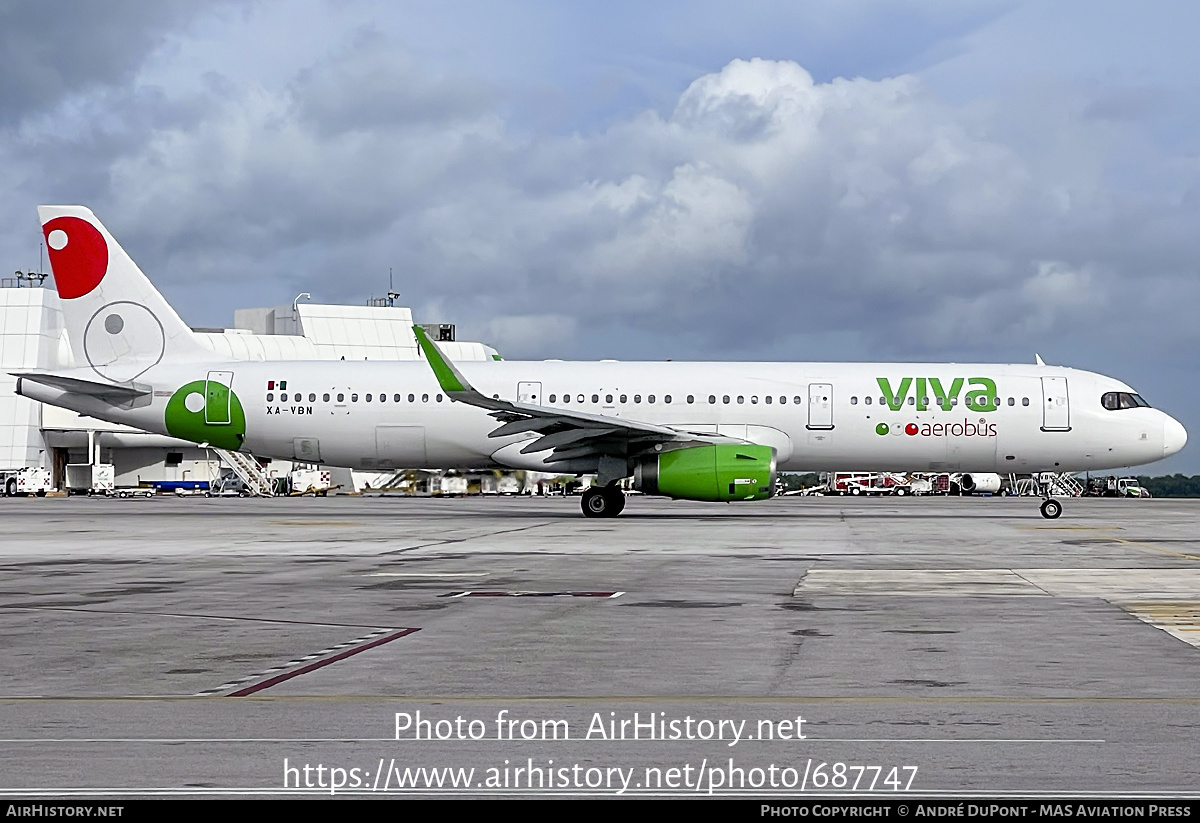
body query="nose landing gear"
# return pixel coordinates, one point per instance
(1051, 508)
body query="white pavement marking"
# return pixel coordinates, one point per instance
(291, 664)
(1180, 620)
(434, 575)
(1108, 584)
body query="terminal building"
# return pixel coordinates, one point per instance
(33, 336)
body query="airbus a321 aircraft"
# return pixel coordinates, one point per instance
(696, 431)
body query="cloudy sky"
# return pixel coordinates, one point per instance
(959, 180)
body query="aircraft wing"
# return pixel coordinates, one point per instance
(567, 433)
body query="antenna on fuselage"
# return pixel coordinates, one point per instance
(1037, 358)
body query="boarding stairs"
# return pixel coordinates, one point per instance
(396, 480)
(248, 471)
(1061, 484)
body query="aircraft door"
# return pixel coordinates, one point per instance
(400, 447)
(217, 398)
(820, 405)
(530, 393)
(1056, 410)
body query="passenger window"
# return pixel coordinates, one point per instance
(624, 398)
(712, 398)
(637, 398)
(741, 399)
(912, 400)
(853, 401)
(424, 398)
(691, 399)
(581, 398)
(595, 398)
(353, 397)
(552, 398)
(867, 400)
(1024, 401)
(782, 400)
(650, 399)
(412, 398)
(1012, 401)
(439, 398)
(312, 398)
(396, 399)
(768, 399)
(341, 397)
(796, 400)
(368, 398)
(283, 397)
(754, 400)
(270, 397)
(725, 399)
(608, 398)
(667, 399)
(325, 397)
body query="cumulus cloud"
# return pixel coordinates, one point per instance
(761, 206)
(54, 51)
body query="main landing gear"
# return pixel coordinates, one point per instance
(1051, 508)
(603, 502)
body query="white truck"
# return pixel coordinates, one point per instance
(310, 481)
(91, 478)
(25, 481)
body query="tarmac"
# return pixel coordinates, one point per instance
(362, 645)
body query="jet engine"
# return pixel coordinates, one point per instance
(718, 473)
(980, 483)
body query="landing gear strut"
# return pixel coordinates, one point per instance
(1051, 508)
(603, 502)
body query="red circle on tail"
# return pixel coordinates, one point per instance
(911, 429)
(81, 264)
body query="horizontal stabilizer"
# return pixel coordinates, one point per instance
(77, 385)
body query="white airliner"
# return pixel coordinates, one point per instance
(698, 431)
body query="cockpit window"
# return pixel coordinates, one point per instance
(1115, 400)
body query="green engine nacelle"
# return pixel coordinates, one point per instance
(717, 473)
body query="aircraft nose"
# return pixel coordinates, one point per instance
(1174, 436)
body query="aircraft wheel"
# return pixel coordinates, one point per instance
(616, 500)
(1051, 509)
(596, 503)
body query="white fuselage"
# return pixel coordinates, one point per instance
(845, 416)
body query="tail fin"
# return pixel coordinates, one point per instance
(116, 320)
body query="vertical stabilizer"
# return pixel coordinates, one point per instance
(118, 323)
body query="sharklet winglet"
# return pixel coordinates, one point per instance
(448, 376)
